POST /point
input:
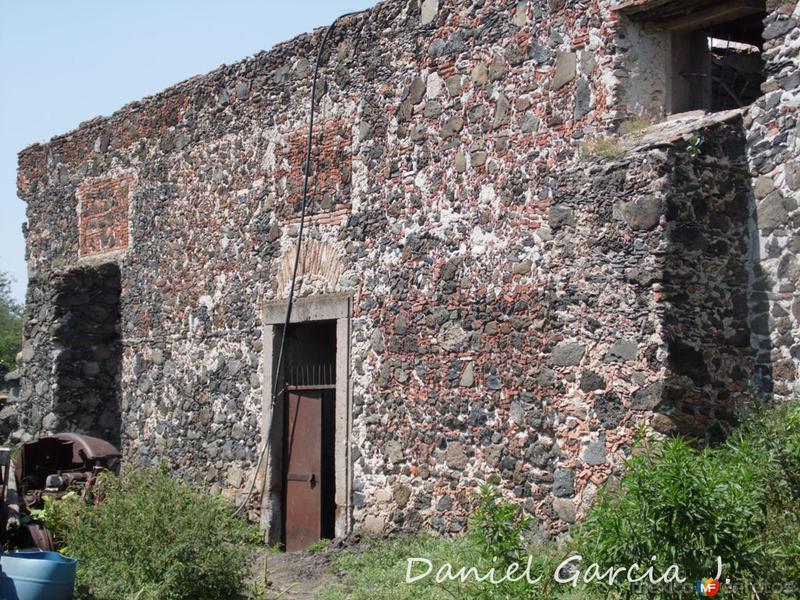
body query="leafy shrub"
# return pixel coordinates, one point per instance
(497, 528)
(776, 432)
(686, 506)
(60, 516)
(154, 538)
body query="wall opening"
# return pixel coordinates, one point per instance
(714, 60)
(87, 352)
(309, 400)
(307, 484)
(713, 74)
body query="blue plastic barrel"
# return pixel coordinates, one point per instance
(36, 575)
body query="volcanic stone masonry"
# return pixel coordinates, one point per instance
(517, 304)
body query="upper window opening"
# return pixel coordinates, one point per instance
(714, 59)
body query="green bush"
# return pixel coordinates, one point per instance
(154, 538)
(686, 506)
(776, 434)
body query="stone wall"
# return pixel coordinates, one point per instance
(516, 311)
(706, 262)
(773, 139)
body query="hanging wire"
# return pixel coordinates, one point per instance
(306, 170)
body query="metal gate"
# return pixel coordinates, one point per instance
(303, 469)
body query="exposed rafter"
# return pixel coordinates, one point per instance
(740, 19)
(711, 16)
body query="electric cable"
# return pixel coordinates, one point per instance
(306, 170)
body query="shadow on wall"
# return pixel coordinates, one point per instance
(762, 285)
(706, 284)
(87, 352)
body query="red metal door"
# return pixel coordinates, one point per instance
(303, 470)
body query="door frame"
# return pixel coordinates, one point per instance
(333, 307)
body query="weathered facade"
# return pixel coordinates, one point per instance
(507, 306)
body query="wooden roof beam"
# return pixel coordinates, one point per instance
(631, 7)
(713, 15)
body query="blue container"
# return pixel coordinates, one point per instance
(36, 575)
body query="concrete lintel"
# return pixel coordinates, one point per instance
(315, 308)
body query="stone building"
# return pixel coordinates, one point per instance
(520, 246)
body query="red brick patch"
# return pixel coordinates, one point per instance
(103, 213)
(331, 165)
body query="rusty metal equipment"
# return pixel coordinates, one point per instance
(49, 466)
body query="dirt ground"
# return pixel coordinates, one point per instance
(297, 575)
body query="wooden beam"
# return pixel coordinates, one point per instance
(631, 7)
(714, 15)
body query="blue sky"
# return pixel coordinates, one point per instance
(66, 62)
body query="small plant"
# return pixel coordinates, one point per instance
(693, 146)
(497, 527)
(60, 516)
(497, 531)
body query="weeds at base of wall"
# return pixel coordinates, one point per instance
(154, 537)
(683, 504)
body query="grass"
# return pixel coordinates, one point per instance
(608, 146)
(635, 125)
(602, 146)
(319, 546)
(377, 568)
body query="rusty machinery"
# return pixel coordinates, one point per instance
(49, 466)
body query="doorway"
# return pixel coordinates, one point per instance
(309, 408)
(87, 351)
(315, 376)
